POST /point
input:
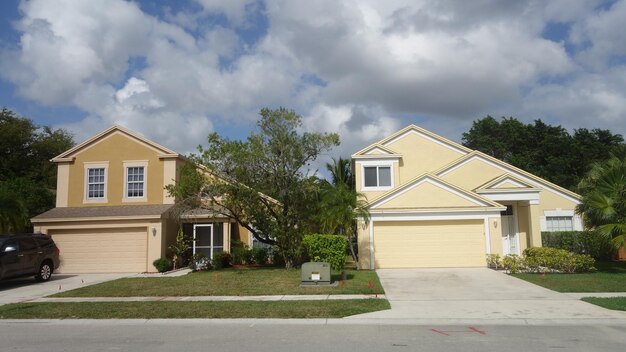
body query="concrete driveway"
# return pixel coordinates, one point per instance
(477, 294)
(26, 288)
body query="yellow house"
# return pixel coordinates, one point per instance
(113, 213)
(436, 203)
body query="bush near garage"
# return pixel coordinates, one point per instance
(580, 242)
(260, 255)
(162, 265)
(548, 260)
(326, 248)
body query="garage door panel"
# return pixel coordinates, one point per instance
(102, 250)
(414, 244)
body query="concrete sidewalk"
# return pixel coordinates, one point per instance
(206, 298)
(579, 295)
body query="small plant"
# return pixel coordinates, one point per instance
(260, 255)
(513, 263)
(162, 265)
(221, 260)
(494, 261)
(200, 261)
(179, 248)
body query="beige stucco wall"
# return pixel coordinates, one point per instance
(364, 245)
(472, 174)
(115, 149)
(495, 235)
(428, 195)
(420, 155)
(523, 223)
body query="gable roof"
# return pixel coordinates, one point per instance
(115, 129)
(517, 172)
(503, 179)
(417, 130)
(474, 198)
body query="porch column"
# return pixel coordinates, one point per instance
(226, 234)
(534, 223)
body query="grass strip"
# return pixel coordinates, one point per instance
(229, 282)
(614, 303)
(610, 277)
(187, 310)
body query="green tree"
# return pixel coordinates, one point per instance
(604, 197)
(340, 205)
(544, 150)
(264, 182)
(27, 177)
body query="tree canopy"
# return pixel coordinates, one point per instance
(27, 177)
(264, 182)
(550, 152)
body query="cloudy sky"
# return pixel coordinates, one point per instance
(177, 70)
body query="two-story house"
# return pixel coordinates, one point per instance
(113, 213)
(436, 203)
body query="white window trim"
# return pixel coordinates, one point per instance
(95, 165)
(577, 224)
(390, 165)
(135, 163)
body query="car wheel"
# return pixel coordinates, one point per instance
(45, 272)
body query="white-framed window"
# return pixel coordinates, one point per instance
(559, 223)
(135, 181)
(96, 182)
(377, 176)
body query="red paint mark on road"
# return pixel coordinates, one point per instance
(471, 329)
(476, 330)
(440, 332)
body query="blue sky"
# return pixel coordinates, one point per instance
(177, 70)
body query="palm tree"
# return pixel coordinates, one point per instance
(341, 204)
(604, 197)
(341, 172)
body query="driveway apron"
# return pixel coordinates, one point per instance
(476, 294)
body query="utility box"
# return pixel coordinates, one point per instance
(315, 273)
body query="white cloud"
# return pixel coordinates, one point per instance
(360, 68)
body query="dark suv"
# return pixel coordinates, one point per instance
(28, 254)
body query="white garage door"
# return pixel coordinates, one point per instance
(102, 250)
(429, 244)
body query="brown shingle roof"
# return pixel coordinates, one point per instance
(103, 212)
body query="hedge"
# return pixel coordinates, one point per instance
(580, 242)
(326, 248)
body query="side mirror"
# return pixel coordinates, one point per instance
(9, 249)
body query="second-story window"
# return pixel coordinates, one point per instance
(377, 176)
(95, 183)
(135, 182)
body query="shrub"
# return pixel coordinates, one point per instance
(580, 242)
(326, 248)
(242, 255)
(200, 261)
(162, 265)
(513, 263)
(547, 259)
(494, 261)
(221, 260)
(277, 257)
(260, 255)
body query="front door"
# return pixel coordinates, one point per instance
(206, 241)
(509, 232)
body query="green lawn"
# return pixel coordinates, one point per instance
(615, 303)
(187, 310)
(228, 282)
(610, 277)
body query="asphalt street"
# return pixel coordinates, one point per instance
(301, 336)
